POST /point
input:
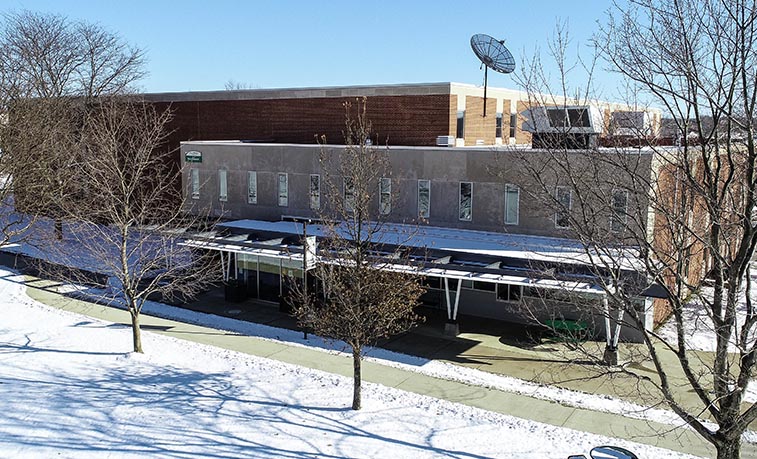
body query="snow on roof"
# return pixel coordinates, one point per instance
(518, 246)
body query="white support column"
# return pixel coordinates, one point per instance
(449, 305)
(228, 266)
(608, 328)
(457, 299)
(616, 337)
(451, 328)
(648, 314)
(225, 276)
(611, 351)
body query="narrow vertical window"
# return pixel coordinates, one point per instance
(564, 198)
(315, 191)
(513, 124)
(283, 189)
(349, 194)
(512, 198)
(619, 210)
(466, 201)
(385, 196)
(195, 178)
(223, 190)
(498, 130)
(252, 187)
(424, 198)
(460, 124)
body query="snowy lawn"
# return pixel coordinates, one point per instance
(437, 369)
(700, 334)
(67, 389)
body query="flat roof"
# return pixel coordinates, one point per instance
(403, 89)
(308, 92)
(438, 88)
(500, 148)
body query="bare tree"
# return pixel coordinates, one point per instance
(51, 68)
(362, 297)
(234, 85)
(683, 217)
(125, 218)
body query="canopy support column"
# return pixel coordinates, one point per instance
(451, 327)
(612, 337)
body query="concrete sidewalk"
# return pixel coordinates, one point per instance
(552, 413)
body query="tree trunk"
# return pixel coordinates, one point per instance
(611, 356)
(59, 229)
(356, 376)
(135, 331)
(729, 449)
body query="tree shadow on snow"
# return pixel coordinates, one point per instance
(166, 411)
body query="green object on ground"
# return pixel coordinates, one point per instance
(571, 331)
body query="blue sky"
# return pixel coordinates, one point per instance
(200, 45)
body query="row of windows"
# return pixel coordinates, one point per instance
(504, 292)
(512, 194)
(460, 130)
(563, 198)
(619, 208)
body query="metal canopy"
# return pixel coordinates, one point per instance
(443, 267)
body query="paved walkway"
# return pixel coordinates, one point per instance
(492, 400)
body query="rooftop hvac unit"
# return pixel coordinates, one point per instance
(445, 141)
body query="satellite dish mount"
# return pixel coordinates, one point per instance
(493, 54)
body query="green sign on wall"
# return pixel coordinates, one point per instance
(193, 157)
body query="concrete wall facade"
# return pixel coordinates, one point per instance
(489, 171)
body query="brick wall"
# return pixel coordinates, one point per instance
(521, 136)
(397, 120)
(478, 127)
(453, 114)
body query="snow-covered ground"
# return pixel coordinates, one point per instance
(67, 389)
(699, 332)
(438, 369)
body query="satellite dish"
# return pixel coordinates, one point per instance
(493, 55)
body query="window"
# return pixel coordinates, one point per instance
(432, 282)
(195, 179)
(508, 292)
(349, 194)
(628, 120)
(564, 199)
(460, 124)
(513, 124)
(619, 210)
(315, 191)
(252, 187)
(512, 198)
(424, 198)
(498, 131)
(385, 196)
(579, 117)
(223, 190)
(557, 117)
(283, 189)
(484, 286)
(568, 117)
(466, 201)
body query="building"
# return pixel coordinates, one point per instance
(482, 242)
(251, 158)
(427, 114)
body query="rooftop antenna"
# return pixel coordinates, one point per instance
(493, 55)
